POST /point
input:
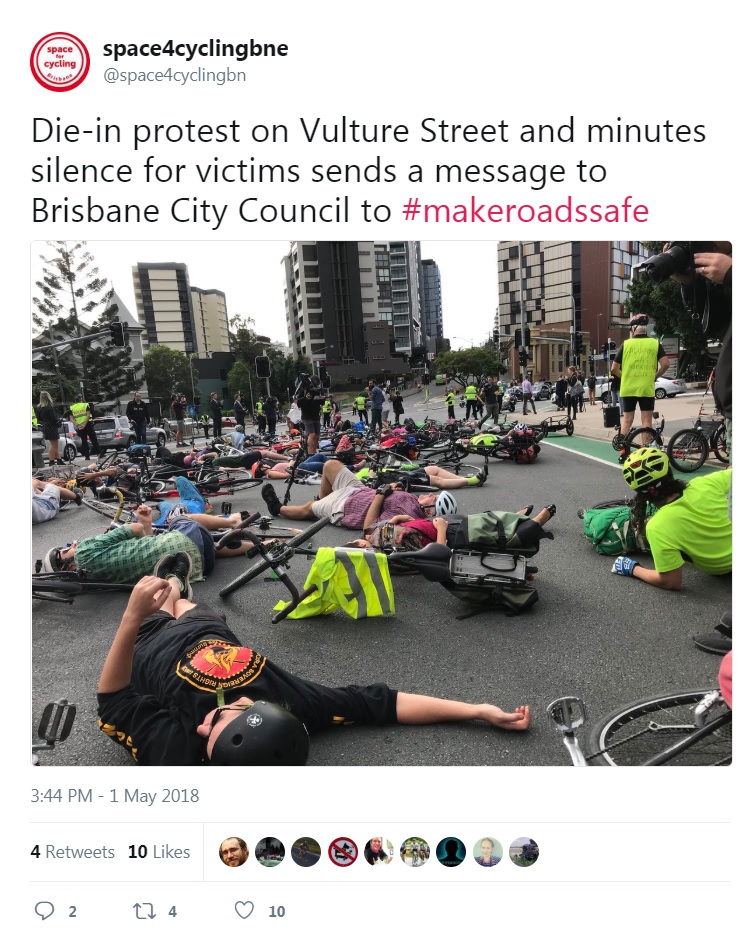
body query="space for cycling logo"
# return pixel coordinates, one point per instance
(60, 61)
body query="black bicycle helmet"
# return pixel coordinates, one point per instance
(639, 320)
(264, 734)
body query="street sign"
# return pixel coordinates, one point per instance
(671, 346)
(343, 851)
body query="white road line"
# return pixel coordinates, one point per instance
(591, 457)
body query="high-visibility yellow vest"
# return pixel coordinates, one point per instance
(450, 400)
(470, 393)
(361, 402)
(34, 421)
(326, 408)
(356, 581)
(259, 409)
(639, 359)
(79, 411)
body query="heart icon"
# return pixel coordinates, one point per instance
(244, 909)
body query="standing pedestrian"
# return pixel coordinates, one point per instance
(360, 407)
(614, 392)
(491, 403)
(560, 390)
(138, 413)
(591, 389)
(397, 405)
(180, 417)
(47, 418)
(204, 422)
(270, 412)
(240, 410)
(376, 396)
(574, 392)
(450, 403)
(471, 400)
(387, 405)
(528, 396)
(215, 408)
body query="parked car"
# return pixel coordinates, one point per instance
(69, 442)
(115, 431)
(669, 388)
(663, 389)
(541, 391)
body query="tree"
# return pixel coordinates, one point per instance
(166, 372)
(241, 377)
(70, 289)
(465, 365)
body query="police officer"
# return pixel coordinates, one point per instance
(204, 422)
(361, 406)
(471, 401)
(326, 412)
(450, 402)
(81, 416)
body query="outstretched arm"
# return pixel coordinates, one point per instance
(413, 709)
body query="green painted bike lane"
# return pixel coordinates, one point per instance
(604, 453)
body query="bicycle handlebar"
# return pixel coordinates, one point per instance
(239, 532)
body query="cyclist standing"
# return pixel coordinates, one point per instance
(639, 362)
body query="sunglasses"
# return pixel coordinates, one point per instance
(221, 708)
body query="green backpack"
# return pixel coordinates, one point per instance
(611, 531)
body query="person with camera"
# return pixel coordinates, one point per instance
(639, 362)
(705, 277)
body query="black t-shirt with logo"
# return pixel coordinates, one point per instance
(178, 666)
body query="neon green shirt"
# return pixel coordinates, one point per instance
(695, 528)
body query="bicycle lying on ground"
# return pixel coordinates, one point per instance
(685, 728)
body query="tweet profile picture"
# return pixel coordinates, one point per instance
(488, 851)
(306, 852)
(233, 852)
(378, 851)
(450, 852)
(415, 851)
(270, 851)
(59, 61)
(524, 851)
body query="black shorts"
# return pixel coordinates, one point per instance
(161, 619)
(645, 402)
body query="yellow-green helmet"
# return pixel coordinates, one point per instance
(645, 467)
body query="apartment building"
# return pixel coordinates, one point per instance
(554, 289)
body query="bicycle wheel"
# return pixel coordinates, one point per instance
(642, 438)
(634, 734)
(112, 511)
(569, 427)
(461, 469)
(687, 450)
(719, 444)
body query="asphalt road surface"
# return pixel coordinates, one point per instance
(608, 639)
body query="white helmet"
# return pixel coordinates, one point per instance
(240, 428)
(445, 504)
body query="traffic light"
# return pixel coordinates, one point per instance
(604, 350)
(527, 337)
(262, 367)
(518, 339)
(118, 333)
(495, 336)
(324, 377)
(578, 344)
(523, 357)
(197, 400)
(592, 361)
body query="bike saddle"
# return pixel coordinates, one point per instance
(432, 561)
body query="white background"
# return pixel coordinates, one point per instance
(397, 62)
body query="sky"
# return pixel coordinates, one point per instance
(251, 275)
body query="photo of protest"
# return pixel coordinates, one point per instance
(239, 449)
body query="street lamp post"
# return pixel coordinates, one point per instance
(193, 395)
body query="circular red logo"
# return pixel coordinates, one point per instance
(60, 61)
